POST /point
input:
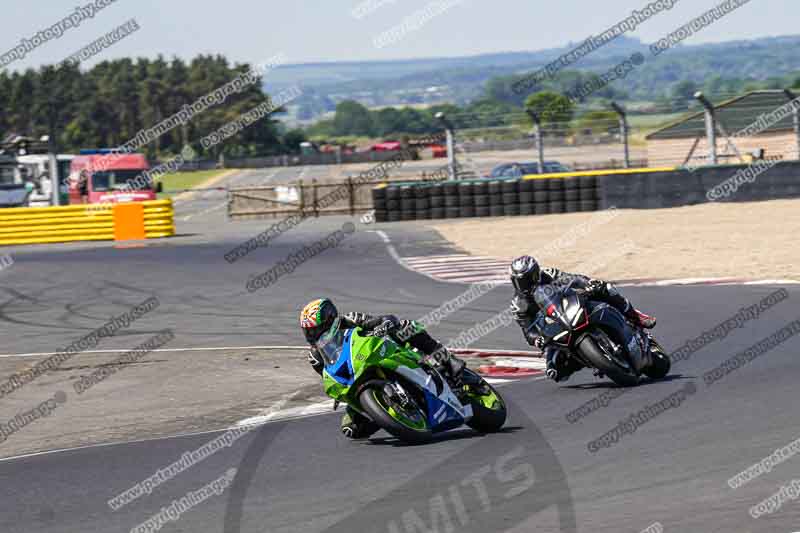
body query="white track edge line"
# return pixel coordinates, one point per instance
(123, 350)
(198, 433)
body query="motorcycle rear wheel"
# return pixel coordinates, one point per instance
(408, 426)
(595, 354)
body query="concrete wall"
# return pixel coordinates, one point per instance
(681, 187)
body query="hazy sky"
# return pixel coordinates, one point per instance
(317, 30)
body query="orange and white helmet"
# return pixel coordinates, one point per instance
(316, 318)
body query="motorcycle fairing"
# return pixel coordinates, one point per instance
(342, 370)
(445, 409)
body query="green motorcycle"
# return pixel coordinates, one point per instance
(389, 384)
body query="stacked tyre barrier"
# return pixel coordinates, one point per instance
(485, 198)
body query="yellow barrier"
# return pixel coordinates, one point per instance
(86, 222)
(597, 173)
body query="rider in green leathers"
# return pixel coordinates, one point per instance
(319, 315)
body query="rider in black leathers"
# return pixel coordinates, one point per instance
(319, 315)
(526, 275)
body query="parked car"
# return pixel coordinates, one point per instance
(517, 170)
(386, 146)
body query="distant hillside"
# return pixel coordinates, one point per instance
(342, 72)
(461, 79)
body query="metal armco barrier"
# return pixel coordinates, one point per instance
(87, 222)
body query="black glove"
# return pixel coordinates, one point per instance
(357, 319)
(538, 342)
(384, 329)
(597, 287)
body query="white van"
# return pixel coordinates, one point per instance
(35, 168)
(13, 191)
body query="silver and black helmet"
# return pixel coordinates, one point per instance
(525, 274)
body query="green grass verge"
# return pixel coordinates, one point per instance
(650, 123)
(186, 180)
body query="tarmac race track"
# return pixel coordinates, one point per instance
(541, 474)
(212, 204)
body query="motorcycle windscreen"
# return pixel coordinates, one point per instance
(331, 344)
(334, 346)
(549, 301)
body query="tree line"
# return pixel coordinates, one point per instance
(354, 119)
(107, 105)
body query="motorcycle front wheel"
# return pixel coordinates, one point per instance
(598, 353)
(408, 423)
(661, 364)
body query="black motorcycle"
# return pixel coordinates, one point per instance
(597, 335)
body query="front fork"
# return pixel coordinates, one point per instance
(637, 341)
(395, 391)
